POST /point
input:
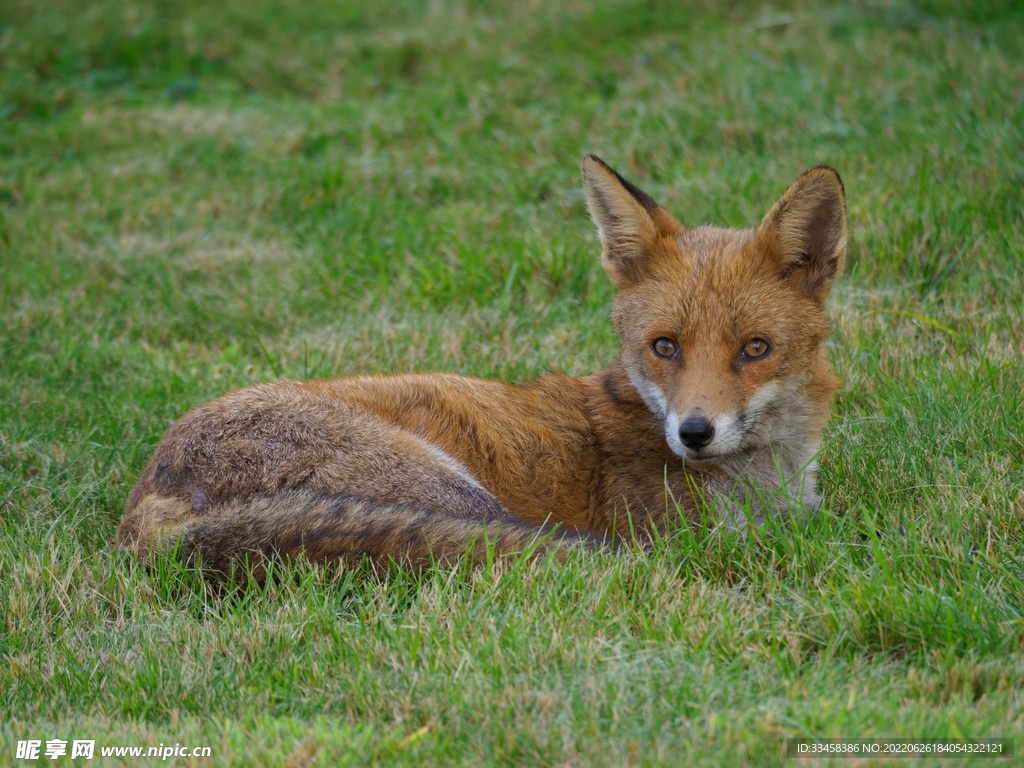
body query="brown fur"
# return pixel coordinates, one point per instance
(420, 466)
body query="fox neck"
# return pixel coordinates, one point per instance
(778, 476)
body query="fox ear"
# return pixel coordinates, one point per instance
(805, 231)
(628, 221)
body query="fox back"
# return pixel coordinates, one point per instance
(716, 404)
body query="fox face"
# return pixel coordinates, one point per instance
(723, 330)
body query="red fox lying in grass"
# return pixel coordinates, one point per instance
(716, 404)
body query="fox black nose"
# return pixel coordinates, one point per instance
(696, 432)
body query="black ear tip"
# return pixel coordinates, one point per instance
(824, 172)
(825, 169)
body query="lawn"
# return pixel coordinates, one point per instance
(199, 196)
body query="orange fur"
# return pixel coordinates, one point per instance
(419, 466)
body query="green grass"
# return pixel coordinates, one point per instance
(198, 196)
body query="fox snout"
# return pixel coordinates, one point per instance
(696, 432)
(697, 437)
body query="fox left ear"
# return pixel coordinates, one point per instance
(628, 220)
(805, 231)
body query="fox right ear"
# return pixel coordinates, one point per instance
(805, 231)
(627, 221)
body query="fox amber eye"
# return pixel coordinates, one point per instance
(756, 348)
(664, 347)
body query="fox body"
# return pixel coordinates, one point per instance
(716, 404)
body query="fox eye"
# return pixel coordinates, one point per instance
(664, 347)
(755, 348)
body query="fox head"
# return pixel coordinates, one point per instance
(723, 330)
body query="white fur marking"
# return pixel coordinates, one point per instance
(763, 397)
(449, 461)
(652, 396)
(675, 443)
(728, 434)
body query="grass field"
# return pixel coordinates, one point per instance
(199, 196)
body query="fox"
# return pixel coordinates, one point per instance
(713, 411)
